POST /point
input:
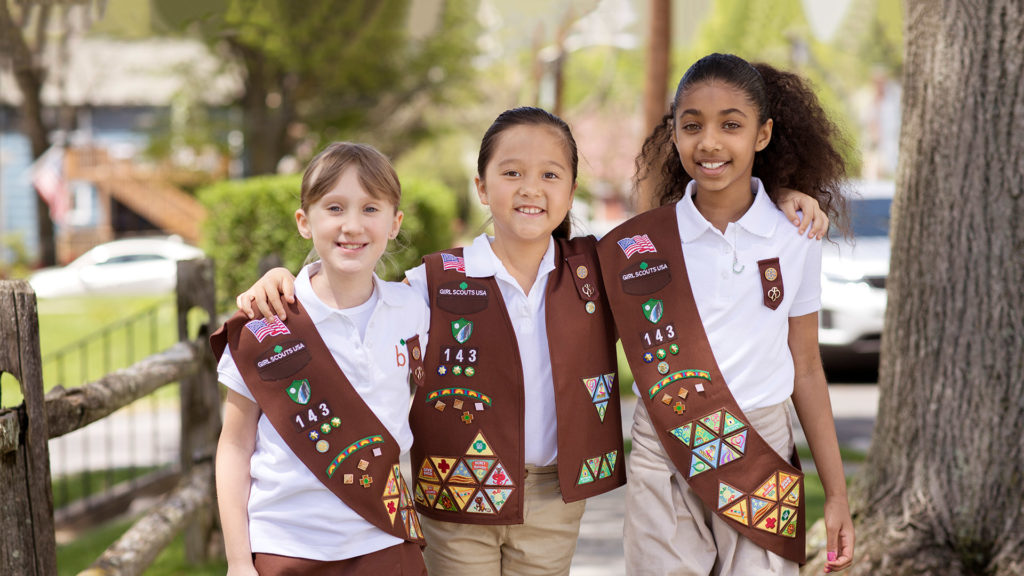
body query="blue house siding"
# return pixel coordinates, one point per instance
(17, 196)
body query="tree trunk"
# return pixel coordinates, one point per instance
(659, 46)
(942, 491)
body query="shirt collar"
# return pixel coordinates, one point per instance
(481, 261)
(760, 219)
(316, 308)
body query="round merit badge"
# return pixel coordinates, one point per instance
(770, 274)
(582, 272)
(590, 307)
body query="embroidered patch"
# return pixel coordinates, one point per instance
(738, 512)
(391, 505)
(677, 376)
(739, 441)
(594, 464)
(658, 335)
(713, 422)
(653, 310)
(480, 467)
(462, 329)
(636, 245)
(299, 391)
(458, 391)
(462, 494)
(443, 465)
(446, 502)
(709, 452)
(461, 474)
(260, 328)
(786, 481)
(730, 423)
(479, 505)
(646, 277)
(586, 476)
(759, 507)
(479, 446)
(465, 297)
(789, 529)
(769, 490)
(311, 416)
(606, 469)
(612, 457)
(419, 496)
(498, 496)
(351, 449)
(683, 433)
(366, 481)
(283, 360)
(701, 435)
(793, 497)
(453, 262)
(430, 492)
(599, 389)
(391, 487)
(499, 477)
(698, 466)
(727, 494)
(727, 455)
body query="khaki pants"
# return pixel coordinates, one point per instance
(669, 531)
(542, 545)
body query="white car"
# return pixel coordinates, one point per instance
(853, 281)
(129, 266)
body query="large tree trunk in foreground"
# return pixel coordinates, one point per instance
(942, 491)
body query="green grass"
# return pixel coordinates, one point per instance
(76, 556)
(63, 321)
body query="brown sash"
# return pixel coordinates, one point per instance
(468, 416)
(702, 429)
(324, 421)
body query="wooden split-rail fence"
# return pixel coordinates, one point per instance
(27, 538)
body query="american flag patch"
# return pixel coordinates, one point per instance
(636, 244)
(451, 262)
(260, 328)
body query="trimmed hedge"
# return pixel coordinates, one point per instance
(252, 221)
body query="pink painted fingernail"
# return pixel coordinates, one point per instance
(831, 556)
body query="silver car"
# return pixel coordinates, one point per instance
(853, 281)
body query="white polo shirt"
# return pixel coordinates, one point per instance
(750, 340)
(527, 313)
(291, 512)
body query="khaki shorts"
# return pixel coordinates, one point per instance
(542, 545)
(669, 531)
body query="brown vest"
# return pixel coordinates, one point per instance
(324, 421)
(702, 429)
(467, 418)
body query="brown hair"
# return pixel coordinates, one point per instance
(376, 175)
(804, 151)
(524, 116)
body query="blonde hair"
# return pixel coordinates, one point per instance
(376, 175)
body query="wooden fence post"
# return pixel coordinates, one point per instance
(200, 398)
(27, 544)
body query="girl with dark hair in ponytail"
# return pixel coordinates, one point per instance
(714, 482)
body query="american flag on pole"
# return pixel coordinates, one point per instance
(260, 328)
(48, 180)
(451, 262)
(636, 244)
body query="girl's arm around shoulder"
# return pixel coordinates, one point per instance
(266, 295)
(811, 218)
(234, 451)
(813, 407)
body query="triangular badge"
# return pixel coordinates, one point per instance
(461, 494)
(499, 477)
(602, 393)
(479, 446)
(731, 424)
(759, 507)
(683, 433)
(786, 481)
(701, 435)
(591, 384)
(601, 407)
(498, 496)
(698, 466)
(446, 502)
(709, 452)
(427, 472)
(430, 492)
(769, 490)
(794, 496)
(713, 421)
(391, 505)
(594, 464)
(738, 512)
(728, 454)
(461, 474)
(462, 329)
(391, 488)
(479, 505)
(480, 467)
(419, 496)
(586, 477)
(770, 523)
(612, 458)
(727, 494)
(789, 530)
(443, 465)
(606, 471)
(738, 441)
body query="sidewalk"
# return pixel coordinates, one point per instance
(599, 548)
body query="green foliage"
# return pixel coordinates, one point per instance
(252, 221)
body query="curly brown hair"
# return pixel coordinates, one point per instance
(804, 151)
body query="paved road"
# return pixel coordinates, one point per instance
(599, 548)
